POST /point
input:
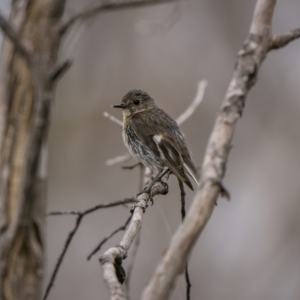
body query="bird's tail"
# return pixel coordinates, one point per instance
(191, 169)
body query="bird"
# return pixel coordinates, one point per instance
(153, 137)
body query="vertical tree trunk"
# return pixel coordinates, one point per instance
(26, 95)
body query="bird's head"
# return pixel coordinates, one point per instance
(135, 101)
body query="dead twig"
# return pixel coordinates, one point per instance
(279, 41)
(62, 255)
(123, 227)
(92, 209)
(59, 71)
(72, 233)
(117, 160)
(187, 275)
(113, 119)
(194, 104)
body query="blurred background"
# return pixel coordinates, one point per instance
(250, 248)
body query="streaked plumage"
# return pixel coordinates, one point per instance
(154, 138)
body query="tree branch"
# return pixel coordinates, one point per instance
(59, 71)
(106, 6)
(111, 260)
(213, 168)
(72, 233)
(279, 41)
(194, 104)
(9, 32)
(123, 227)
(62, 255)
(118, 159)
(113, 119)
(92, 209)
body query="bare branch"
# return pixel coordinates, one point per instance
(13, 37)
(90, 210)
(106, 6)
(60, 71)
(62, 255)
(98, 248)
(72, 233)
(192, 107)
(279, 41)
(111, 260)
(250, 58)
(118, 159)
(113, 119)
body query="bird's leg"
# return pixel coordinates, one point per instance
(158, 177)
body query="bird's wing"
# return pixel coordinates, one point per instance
(158, 138)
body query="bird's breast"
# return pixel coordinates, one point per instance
(138, 149)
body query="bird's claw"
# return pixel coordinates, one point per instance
(146, 190)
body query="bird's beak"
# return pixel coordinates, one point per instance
(121, 105)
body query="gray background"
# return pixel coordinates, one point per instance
(250, 248)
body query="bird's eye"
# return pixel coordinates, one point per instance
(136, 102)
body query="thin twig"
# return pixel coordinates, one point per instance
(192, 107)
(132, 166)
(187, 275)
(279, 41)
(59, 71)
(106, 6)
(72, 233)
(62, 255)
(117, 160)
(12, 35)
(123, 227)
(92, 209)
(113, 119)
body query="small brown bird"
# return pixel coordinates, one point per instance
(154, 138)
